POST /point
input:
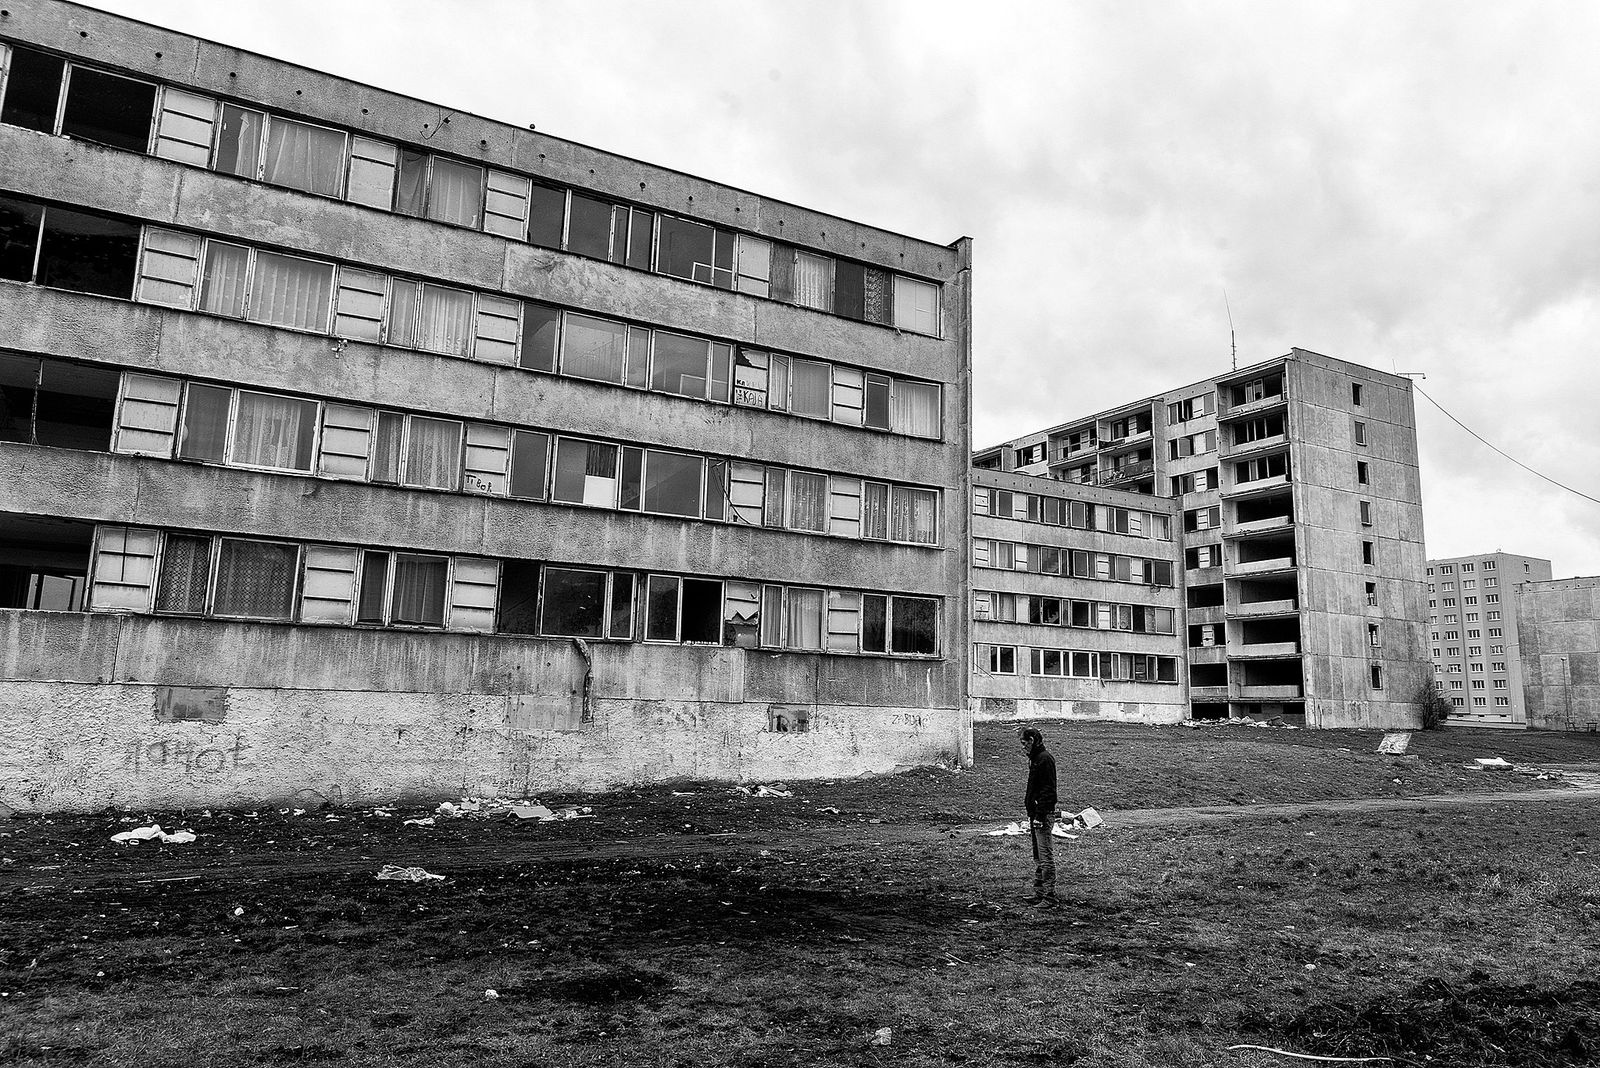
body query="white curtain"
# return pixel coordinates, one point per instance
(304, 157)
(812, 390)
(805, 619)
(808, 501)
(912, 516)
(239, 146)
(446, 320)
(288, 291)
(813, 281)
(593, 348)
(433, 453)
(403, 302)
(455, 195)
(419, 583)
(255, 579)
(915, 409)
(875, 511)
(273, 431)
(222, 288)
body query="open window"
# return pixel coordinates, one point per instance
(32, 89)
(56, 403)
(587, 603)
(44, 562)
(80, 251)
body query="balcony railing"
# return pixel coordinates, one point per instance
(1268, 649)
(1256, 567)
(1284, 607)
(1292, 692)
(1127, 472)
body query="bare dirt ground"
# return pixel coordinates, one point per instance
(1290, 889)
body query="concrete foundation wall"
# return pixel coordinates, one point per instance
(132, 711)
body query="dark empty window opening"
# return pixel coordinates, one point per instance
(67, 249)
(33, 90)
(1209, 596)
(702, 611)
(914, 625)
(44, 562)
(57, 403)
(519, 597)
(574, 603)
(1208, 674)
(108, 110)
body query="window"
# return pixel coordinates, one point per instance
(1502, 702)
(57, 403)
(1373, 638)
(1355, 394)
(585, 473)
(1494, 632)
(1492, 616)
(1492, 598)
(916, 306)
(683, 610)
(1491, 581)
(995, 659)
(1376, 671)
(63, 249)
(1500, 684)
(1372, 595)
(1360, 432)
(1367, 553)
(1480, 701)
(1490, 565)
(1366, 513)
(255, 579)
(586, 604)
(1466, 567)
(1192, 408)
(698, 252)
(1361, 472)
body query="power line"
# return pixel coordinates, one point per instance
(1502, 452)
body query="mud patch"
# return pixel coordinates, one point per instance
(1473, 1022)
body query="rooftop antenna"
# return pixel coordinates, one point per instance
(1233, 342)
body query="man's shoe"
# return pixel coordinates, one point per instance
(1046, 901)
(1031, 899)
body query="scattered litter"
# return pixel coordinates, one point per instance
(491, 994)
(238, 910)
(1012, 828)
(1241, 721)
(144, 834)
(383, 811)
(1394, 743)
(882, 1036)
(775, 790)
(522, 808)
(532, 812)
(1089, 818)
(1491, 762)
(1059, 831)
(426, 821)
(831, 809)
(410, 875)
(1312, 1056)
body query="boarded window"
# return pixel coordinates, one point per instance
(358, 311)
(346, 441)
(497, 327)
(487, 466)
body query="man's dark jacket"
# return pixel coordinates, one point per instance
(1041, 796)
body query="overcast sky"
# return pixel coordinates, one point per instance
(1412, 186)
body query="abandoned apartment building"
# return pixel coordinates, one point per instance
(1474, 638)
(1249, 545)
(356, 447)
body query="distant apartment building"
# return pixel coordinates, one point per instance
(358, 447)
(1474, 637)
(1297, 508)
(1558, 624)
(1075, 605)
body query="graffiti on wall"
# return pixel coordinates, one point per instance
(224, 755)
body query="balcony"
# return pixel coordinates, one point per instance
(1263, 567)
(1208, 654)
(1291, 692)
(1259, 445)
(1256, 487)
(1264, 650)
(1127, 441)
(1256, 407)
(1208, 693)
(1203, 576)
(1127, 472)
(1258, 526)
(1260, 609)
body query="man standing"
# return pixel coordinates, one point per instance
(1040, 801)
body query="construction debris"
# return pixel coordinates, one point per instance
(522, 808)
(1485, 763)
(144, 834)
(1394, 743)
(777, 789)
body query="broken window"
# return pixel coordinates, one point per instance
(32, 90)
(547, 216)
(683, 609)
(741, 614)
(108, 109)
(64, 249)
(44, 562)
(574, 603)
(239, 141)
(56, 403)
(585, 473)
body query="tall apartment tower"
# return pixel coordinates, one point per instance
(1300, 519)
(357, 447)
(1558, 627)
(1473, 635)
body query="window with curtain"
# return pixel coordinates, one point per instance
(813, 281)
(915, 409)
(808, 501)
(916, 305)
(811, 389)
(433, 452)
(185, 574)
(804, 619)
(672, 483)
(289, 291)
(306, 157)
(419, 586)
(204, 434)
(255, 579)
(913, 515)
(239, 141)
(446, 324)
(455, 193)
(915, 622)
(222, 287)
(586, 473)
(273, 431)
(593, 348)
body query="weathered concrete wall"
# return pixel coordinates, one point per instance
(132, 711)
(1559, 623)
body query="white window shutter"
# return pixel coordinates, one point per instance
(746, 492)
(844, 506)
(169, 268)
(358, 306)
(505, 209)
(498, 325)
(346, 441)
(184, 125)
(488, 462)
(328, 588)
(844, 621)
(372, 169)
(124, 568)
(980, 501)
(980, 552)
(474, 588)
(147, 415)
(849, 396)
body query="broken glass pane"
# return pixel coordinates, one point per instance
(702, 611)
(33, 89)
(574, 602)
(109, 110)
(88, 253)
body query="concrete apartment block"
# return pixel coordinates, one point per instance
(1075, 603)
(1298, 510)
(1558, 621)
(357, 447)
(1475, 637)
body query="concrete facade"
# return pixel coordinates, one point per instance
(1475, 637)
(1056, 633)
(1297, 493)
(320, 491)
(1558, 622)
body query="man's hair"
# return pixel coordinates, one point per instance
(1032, 736)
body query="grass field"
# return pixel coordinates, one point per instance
(693, 925)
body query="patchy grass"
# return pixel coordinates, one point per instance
(1464, 934)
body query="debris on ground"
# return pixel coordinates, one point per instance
(777, 789)
(409, 875)
(882, 1036)
(1394, 743)
(426, 821)
(831, 809)
(1241, 721)
(145, 834)
(524, 808)
(1484, 763)
(491, 994)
